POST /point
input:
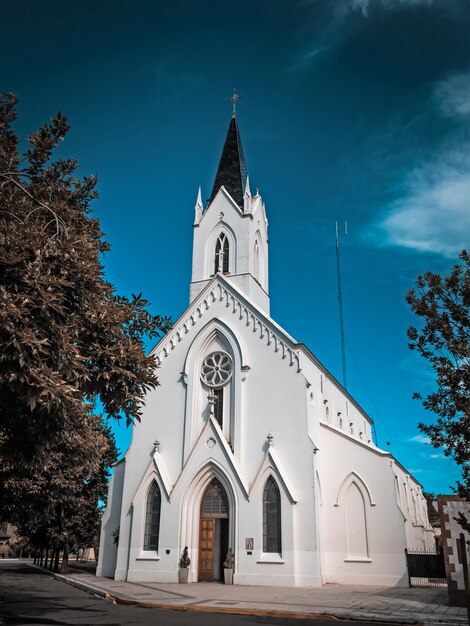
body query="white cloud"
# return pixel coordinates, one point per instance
(306, 59)
(434, 215)
(453, 95)
(365, 5)
(431, 456)
(420, 439)
(335, 29)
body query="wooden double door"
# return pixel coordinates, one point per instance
(213, 532)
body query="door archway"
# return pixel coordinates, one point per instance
(213, 532)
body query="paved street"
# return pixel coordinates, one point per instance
(29, 596)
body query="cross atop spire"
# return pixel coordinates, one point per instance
(231, 172)
(234, 99)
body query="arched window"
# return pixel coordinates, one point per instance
(356, 523)
(256, 260)
(152, 518)
(271, 517)
(216, 372)
(221, 254)
(215, 502)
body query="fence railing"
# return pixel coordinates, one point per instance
(426, 569)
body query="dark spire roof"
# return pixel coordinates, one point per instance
(231, 172)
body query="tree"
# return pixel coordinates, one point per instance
(66, 337)
(57, 503)
(443, 303)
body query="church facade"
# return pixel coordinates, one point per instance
(250, 444)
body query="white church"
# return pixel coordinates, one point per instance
(250, 443)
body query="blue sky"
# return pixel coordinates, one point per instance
(354, 110)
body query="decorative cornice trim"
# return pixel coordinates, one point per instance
(160, 465)
(220, 290)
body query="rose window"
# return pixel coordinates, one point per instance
(216, 369)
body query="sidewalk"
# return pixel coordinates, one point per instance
(383, 604)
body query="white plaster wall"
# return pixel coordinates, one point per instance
(385, 562)
(110, 522)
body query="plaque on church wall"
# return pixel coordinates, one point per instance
(249, 543)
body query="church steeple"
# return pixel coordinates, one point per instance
(231, 233)
(231, 172)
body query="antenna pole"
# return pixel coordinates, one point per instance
(340, 305)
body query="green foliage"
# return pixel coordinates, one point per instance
(67, 341)
(443, 304)
(58, 500)
(65, 336)
(185, 561)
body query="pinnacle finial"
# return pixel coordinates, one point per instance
(234, 99)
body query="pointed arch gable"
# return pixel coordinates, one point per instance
(271, 465)
(164, 476)
(149, 475)
(206, 335)
(203, 476)
(213, 428)
(191, 501)
(353, 477)
(221, 198)
(214, 331)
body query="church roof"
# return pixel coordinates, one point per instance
(231, 172)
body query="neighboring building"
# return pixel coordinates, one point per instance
(456, 546)
(5, 537)
(249, 442)
(433, 517)
(10, 543)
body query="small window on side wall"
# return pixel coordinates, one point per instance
(271, 517)
(152, 518)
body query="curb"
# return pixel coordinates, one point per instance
(269, 613)
(74, 583)
(300, 615)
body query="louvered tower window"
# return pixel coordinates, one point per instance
(221, 254)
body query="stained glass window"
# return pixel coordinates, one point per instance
(271, 517)
(152, 518)
(215, 501)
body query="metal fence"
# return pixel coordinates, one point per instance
(426, 569)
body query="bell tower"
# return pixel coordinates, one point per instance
(231, 232)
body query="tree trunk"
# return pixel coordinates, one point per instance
(65, 561)
(51, 562)
(56, 560)
(46, 556)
